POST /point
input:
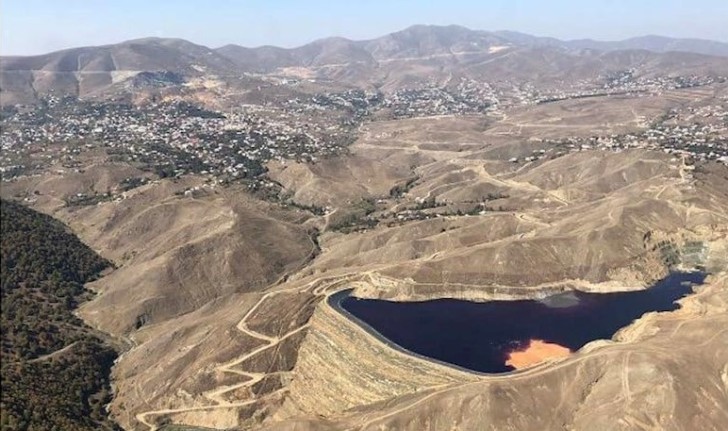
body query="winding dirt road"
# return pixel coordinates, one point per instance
(319, 287)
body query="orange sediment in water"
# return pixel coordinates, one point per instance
(536, 351)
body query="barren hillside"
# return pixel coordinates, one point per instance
(235, 190)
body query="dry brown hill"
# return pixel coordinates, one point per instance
(88, 71)
(419, 55)
(175, 252)
(220, 295)
(212, 346)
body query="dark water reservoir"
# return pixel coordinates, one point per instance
(480, 336)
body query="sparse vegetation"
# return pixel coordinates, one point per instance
(357, 218)
(82, 199)
(313, 209)
(132, 183)
(400, 189)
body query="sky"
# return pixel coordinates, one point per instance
(36, 26)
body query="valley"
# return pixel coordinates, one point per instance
(241, 193)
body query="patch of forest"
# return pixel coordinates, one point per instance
(55, 370)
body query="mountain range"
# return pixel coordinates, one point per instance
(415, 54)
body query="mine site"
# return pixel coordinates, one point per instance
(433, 227)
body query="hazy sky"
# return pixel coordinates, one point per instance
(37, 26)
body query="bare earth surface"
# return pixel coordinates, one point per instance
(220, 296)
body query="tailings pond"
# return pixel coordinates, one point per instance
(483, 336)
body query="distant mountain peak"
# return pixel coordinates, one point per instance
(437, 48)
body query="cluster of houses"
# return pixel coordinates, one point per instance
(698, 133)
(463, 96)
(623, 83)
(172, 139)
(467, 97)
(169, 138)
(351, 105)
